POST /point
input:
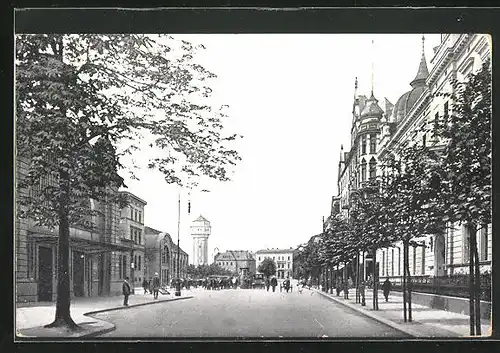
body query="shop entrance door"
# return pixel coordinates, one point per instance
(45, 274)
(78, 274)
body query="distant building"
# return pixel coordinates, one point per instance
(236, 261)
(282, 257)
(200, 231)
(161, 256)
(132, 228)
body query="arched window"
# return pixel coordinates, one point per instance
(373, 168)
(363, 170)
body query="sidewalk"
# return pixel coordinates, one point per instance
(31, 317)
(427, 322)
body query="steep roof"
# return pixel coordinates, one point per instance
(201, 218)
(422, 73)
(235, 255)
(372, 108)
(274, 251)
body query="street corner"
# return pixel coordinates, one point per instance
(90, 328)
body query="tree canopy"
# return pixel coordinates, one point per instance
(267, 267)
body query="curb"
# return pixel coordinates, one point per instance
(100, 332)
(112, 326)
(370, 315)
(136, 305)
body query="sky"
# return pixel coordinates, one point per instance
(290, 96)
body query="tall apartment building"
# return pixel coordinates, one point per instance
(282, 257)
(378, 132)
(131, 228)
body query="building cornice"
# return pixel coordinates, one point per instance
(446, 56)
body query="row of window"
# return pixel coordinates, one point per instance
(225, 263)
(482, 250)
(283, 265)
(372, 169)
(280, 258)
(136, 235)
(136, 215)
(373, 144)
(122, 265)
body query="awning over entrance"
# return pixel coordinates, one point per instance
(81, 244)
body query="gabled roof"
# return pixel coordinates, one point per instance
(274, 251)
(235, 255)
(201, 218)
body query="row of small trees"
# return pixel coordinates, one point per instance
(421, 190)
(203, 271)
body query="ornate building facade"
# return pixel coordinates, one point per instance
(94, 268)
(378, 132)
(161, 257)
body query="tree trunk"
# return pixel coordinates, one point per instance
(332, 280)
(357, 278)
(472, 317)
(375, 279)
(409, 284)
(477, 280)
(404, 284)
(346, 283)
(63, 317)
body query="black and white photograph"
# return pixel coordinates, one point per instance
(252, 185)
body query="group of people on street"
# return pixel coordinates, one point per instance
(386, 286)
(152, 286)
(221, 283)
(273, 282)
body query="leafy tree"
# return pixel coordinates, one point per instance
(80, 98)
(466, 186)
(267, 267)
(413, 204)
(337, 246)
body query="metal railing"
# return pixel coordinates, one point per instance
(455, 285)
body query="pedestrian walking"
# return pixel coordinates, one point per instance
(387, 286)
(156, 285)
(268, 283)
(125, 291)
(274, 283)
(145, 285)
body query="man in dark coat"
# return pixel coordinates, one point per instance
(387, 286)
(274, 283)
(156, 285)
(268, 283)
(145, 285)
(125, 291)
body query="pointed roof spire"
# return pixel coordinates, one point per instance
(422, 72)
(373, 59)
(356, 88)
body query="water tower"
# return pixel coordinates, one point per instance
(200, 231)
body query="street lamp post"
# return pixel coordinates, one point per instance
(178, 284)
